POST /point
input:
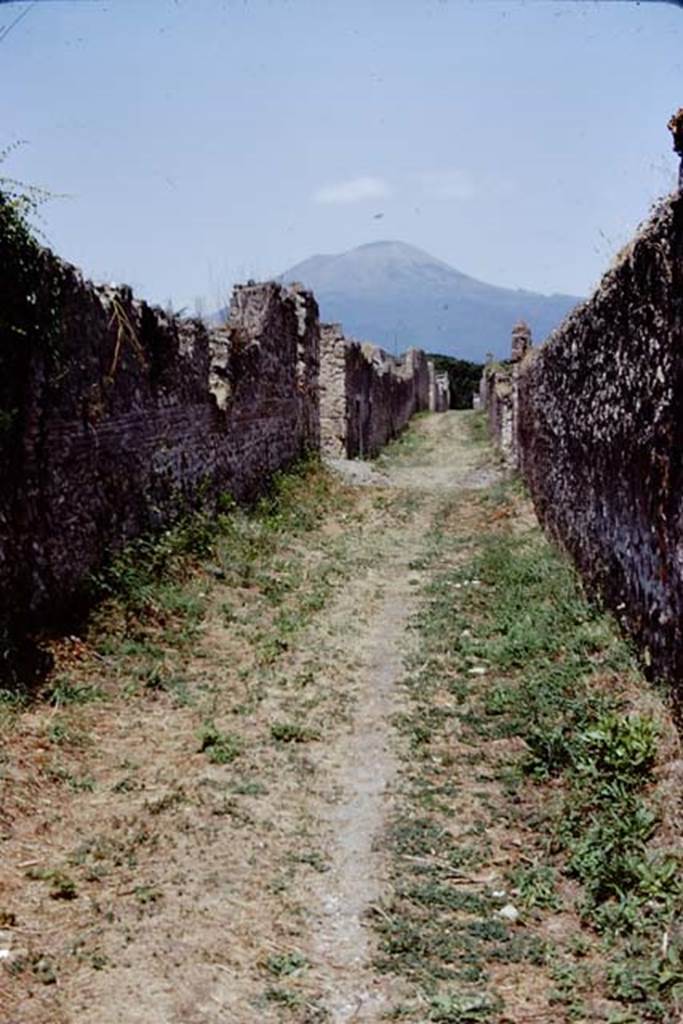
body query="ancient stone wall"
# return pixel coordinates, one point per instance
(499, 395)
(497, 391)
(598, 433)
(116, 417)
(367, 396)
(120, 416)
(439, 390)
(333, 391)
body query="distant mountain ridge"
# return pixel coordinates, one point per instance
(397, 295)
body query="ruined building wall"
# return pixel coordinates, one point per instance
(333, 406)
(115, 416)
(367, 396)
(439, 390)
(599, 438)
(499, 395)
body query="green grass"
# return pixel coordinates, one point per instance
(157, 575)
(220, 747)
(292, 732)
(511, 650)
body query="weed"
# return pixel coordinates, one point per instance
(62, 733)
(147, 894)
(63, 691)
(76, 783)
(158, 678)
(249, 788)
(284, 964)
(463, 1009)
(292, 732)
(536, 886)
(62, 886)
(283, 997)
(221, 747)
(656, 984)
(511, 649)
(313, 858)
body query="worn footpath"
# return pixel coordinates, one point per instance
(314, 763)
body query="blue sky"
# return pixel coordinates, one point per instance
(199, 142)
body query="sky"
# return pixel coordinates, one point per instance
(191, 144)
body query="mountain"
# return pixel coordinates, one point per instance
(397, 295)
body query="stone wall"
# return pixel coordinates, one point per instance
(120, 415)
(439, 390)
(496, 399)
(597, 430)
(116, 416)
(367, 396)
(499, 395)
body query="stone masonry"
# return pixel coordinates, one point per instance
(116, 417)
(367, 396)
(131, 416)
(595, 422)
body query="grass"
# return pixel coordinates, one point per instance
(157, 577)
(198, 650)
(514, 658)
(292, 732)
(530, 775)
(407, 449)
(220, 747)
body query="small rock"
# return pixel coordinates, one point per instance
(478, 670)
(509, 913)
(45, 972)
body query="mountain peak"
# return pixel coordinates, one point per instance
(394, 293)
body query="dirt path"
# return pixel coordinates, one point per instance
(149, 882)
(363, 761)
(288, 780)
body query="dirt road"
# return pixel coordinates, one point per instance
(265, 788)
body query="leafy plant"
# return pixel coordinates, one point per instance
(284, 964)
(292, 732)
(463, 1009)
(536, 885)
(221, 747)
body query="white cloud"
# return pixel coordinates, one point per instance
(452, 184)
(356, 190)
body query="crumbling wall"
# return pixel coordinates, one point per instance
(498, 391)
(439, 390)
(116, 416)
(499, 395)
(599, 438)
(333, 391)
(367, 396)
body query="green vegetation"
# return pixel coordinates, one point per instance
(292, 732)
(221, 747)
(514, 658)
(31, 301)
(284, 964)
(151, 576)
(463, 377)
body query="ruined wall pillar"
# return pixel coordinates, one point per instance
(333, 391)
